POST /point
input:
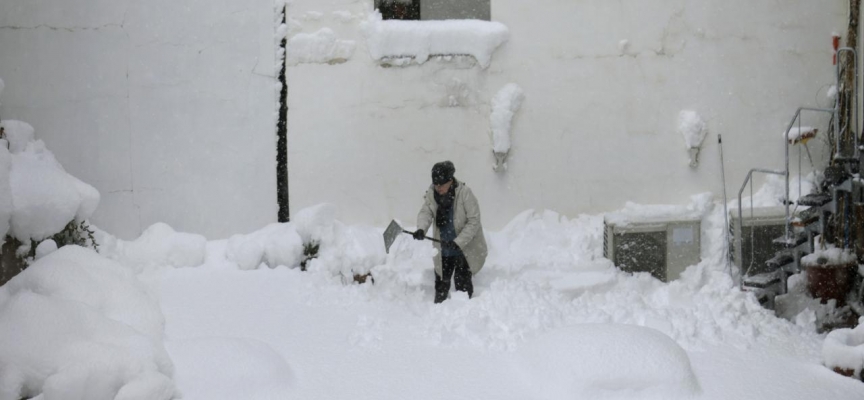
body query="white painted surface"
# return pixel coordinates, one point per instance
(167, 108)
(599, 124)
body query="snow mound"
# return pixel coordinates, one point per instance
(345, 250)
(75, 325)
(321, 47)
(81, 275)
(18, 133)
(422, 39)
(247, 369)
(546, 238)
(159, 245)
(609, 361)
(45, 197)
(844, 349)
(275, 245)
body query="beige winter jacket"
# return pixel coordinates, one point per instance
(466, 220)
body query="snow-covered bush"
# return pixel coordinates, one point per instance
(75, 325)
(342, 249)
(159, 245)
(274, 245)
(843, 349)
(39, 200)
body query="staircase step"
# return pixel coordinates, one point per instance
(845, 186)
(807, 216)
(762, 281)
(798, 238)
(782, 258)
(815, 199)
(835, 174)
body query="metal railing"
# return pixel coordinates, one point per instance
(785, 173)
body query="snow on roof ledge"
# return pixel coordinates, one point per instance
(422, 39)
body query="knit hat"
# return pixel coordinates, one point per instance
(442, 172)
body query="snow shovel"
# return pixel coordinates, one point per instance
(393, 230)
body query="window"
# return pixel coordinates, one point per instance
(434, 9)
(399, 9)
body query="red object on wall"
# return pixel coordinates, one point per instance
(835, 42)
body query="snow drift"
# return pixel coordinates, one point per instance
(75, 325)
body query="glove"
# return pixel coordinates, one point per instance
(419, 234)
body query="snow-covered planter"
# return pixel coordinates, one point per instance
(843, 350)
(420, 40)
(829, 273)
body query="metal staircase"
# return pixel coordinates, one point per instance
(835, 198)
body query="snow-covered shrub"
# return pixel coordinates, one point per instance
(159, 245)
(75, 325)
(39, 200)
(274, 245)
(345, 250)
(843, 349)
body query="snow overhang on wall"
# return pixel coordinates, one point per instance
(419, 40)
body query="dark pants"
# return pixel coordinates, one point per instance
(457, 267)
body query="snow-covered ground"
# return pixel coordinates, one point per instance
(550, 319)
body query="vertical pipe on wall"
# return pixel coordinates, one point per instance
(282, 133)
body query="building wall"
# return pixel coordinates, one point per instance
(169, 108)
(604, 83)
(166, 107)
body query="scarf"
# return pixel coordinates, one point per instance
(445, 205)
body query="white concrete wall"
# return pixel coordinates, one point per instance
(598, 126)
(166, 107)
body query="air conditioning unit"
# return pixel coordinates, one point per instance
(756, 233)
(662, 248)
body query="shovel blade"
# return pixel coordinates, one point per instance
(390, 234)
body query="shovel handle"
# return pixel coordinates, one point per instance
(427, 237)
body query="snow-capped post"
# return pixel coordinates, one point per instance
(694, 130)
(505, 104)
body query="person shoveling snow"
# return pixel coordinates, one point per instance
(461, 246)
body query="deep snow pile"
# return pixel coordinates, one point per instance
(549, 312)
(75, 325)
(626, 361)
(343, 250)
